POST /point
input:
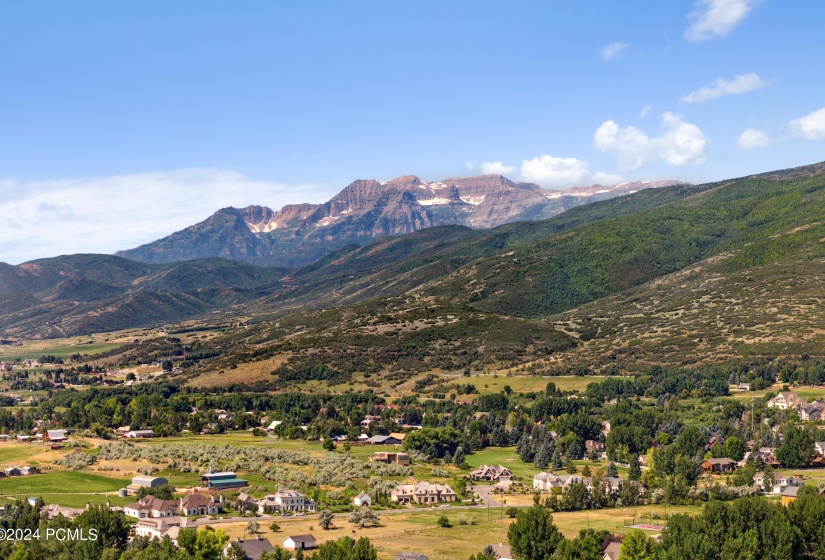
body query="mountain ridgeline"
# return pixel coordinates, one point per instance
(299, 234)
(558, 269)
(83, 294)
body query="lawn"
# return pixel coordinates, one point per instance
(61, 482)
(503, 456)
(13, 454)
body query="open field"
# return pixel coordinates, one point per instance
(416, 530)
(487, 384)
(33, 350)
(60, 482)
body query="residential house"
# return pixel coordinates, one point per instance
(198, 504)
(422, 493)
(812, 412)
(370, 420)
(819, 447)
(497, 474)
(768, 455)
(787, 400)
(253, 549)
(546, 481)
(722, 465)
(303, 542)
(222, 481)
(362, 500)
(53, 510)
(386, 457)
(502, 551)
(150, 506)
(410, 556)
(400, 436)
(593, 445)
(163, 527)
(272, 425)
(384, 440)
(611, 547)
(12, 471)
(286, 500)
(780, 481)
(789, 494)
(246, 502)
(26, 471)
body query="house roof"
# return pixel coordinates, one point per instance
(254, 548)
(722, 461)
(195, 500)
(300, 538)
(613, 550)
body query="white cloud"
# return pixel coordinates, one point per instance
(681, 143)
(554, 172)
(740, 84)
(716, 18)
(645, 111)
(810, 127)
(104, 215)
(496, 168)
(606, 179)
(753, 138)
(613, 50)
(632, 146)
(469, 165)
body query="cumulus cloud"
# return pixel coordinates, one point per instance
(753, 138)
(721, 87)
(810, 127)
(613, 50)
(496, 168)
(104, 215)
(681, 143)
(469, 165)
(554, 172)
(645, 111)
(716, 18)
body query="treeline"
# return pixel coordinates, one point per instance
(750, 527)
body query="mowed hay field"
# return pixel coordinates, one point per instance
(487, 384)
(417, 530)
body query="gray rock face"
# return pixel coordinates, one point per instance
(298, 234)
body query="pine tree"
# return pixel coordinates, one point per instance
(458, 458)
(543, 458)
(556, 462)
(612, 470)
(635, 471)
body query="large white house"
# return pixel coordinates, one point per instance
(422, 493)
(786, 400)
(163, 527)
(286, 500)
(150, 506)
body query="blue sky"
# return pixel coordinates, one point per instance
(122, 122)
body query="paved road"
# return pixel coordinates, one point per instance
(483, 493)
